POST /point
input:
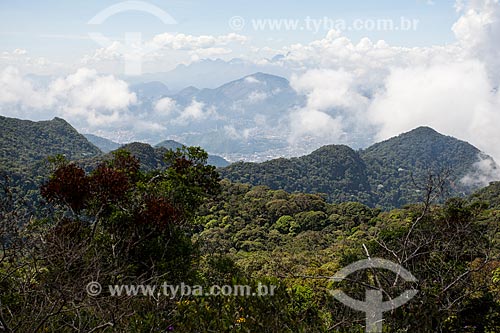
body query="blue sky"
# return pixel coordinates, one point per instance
(57, 28)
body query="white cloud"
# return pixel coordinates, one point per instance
(165, 51)
(478, 32)
(16, 89)
(484, 171)
(310, 123)
(251, 80)
(26, 63)
(326, 89)
(194, 112)
(449, 97)
(87, 89)
(333, 104)
(165, 106)
(190, 42)
(84, 98)
(257, 97)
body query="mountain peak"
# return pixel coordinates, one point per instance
(422, 135)
(261, 76)
(423, 130)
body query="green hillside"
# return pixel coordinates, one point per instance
(395, 165)
(337, 171)
(387, 174)
(24, 143)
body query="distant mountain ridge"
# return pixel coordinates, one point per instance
(381, 175)
(151, 158)
(211, 73)
(25, 146)
(246, 116)
(103, 144)
(249, 115)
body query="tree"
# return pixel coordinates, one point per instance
(115, 225)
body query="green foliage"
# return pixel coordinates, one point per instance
(489, 195)
(116, 224)
(25, 145)
(337, 171)
(147, 216)
(389, 174)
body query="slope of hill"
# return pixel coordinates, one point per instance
(489, 194)
(395, 164)
(383, 175)
(214, 160)
(25, 144)
(337, 171)
(103, 144)
(170, 144)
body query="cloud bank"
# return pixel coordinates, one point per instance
(452, 88)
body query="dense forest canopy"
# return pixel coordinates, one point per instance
(385, 175)
(154, 216)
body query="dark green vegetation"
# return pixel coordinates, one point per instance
(214, 160)
(151, 158)
(154, 216)
(120, 225)
(337, 171)
(108, 146)
(25, 146)
(385, 175)
(489, 195)
(24, 143)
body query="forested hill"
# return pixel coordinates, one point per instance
(395, 165)
(26, 144)
(386, 174)
(147, 152)
(337, 171)
(151, 158)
